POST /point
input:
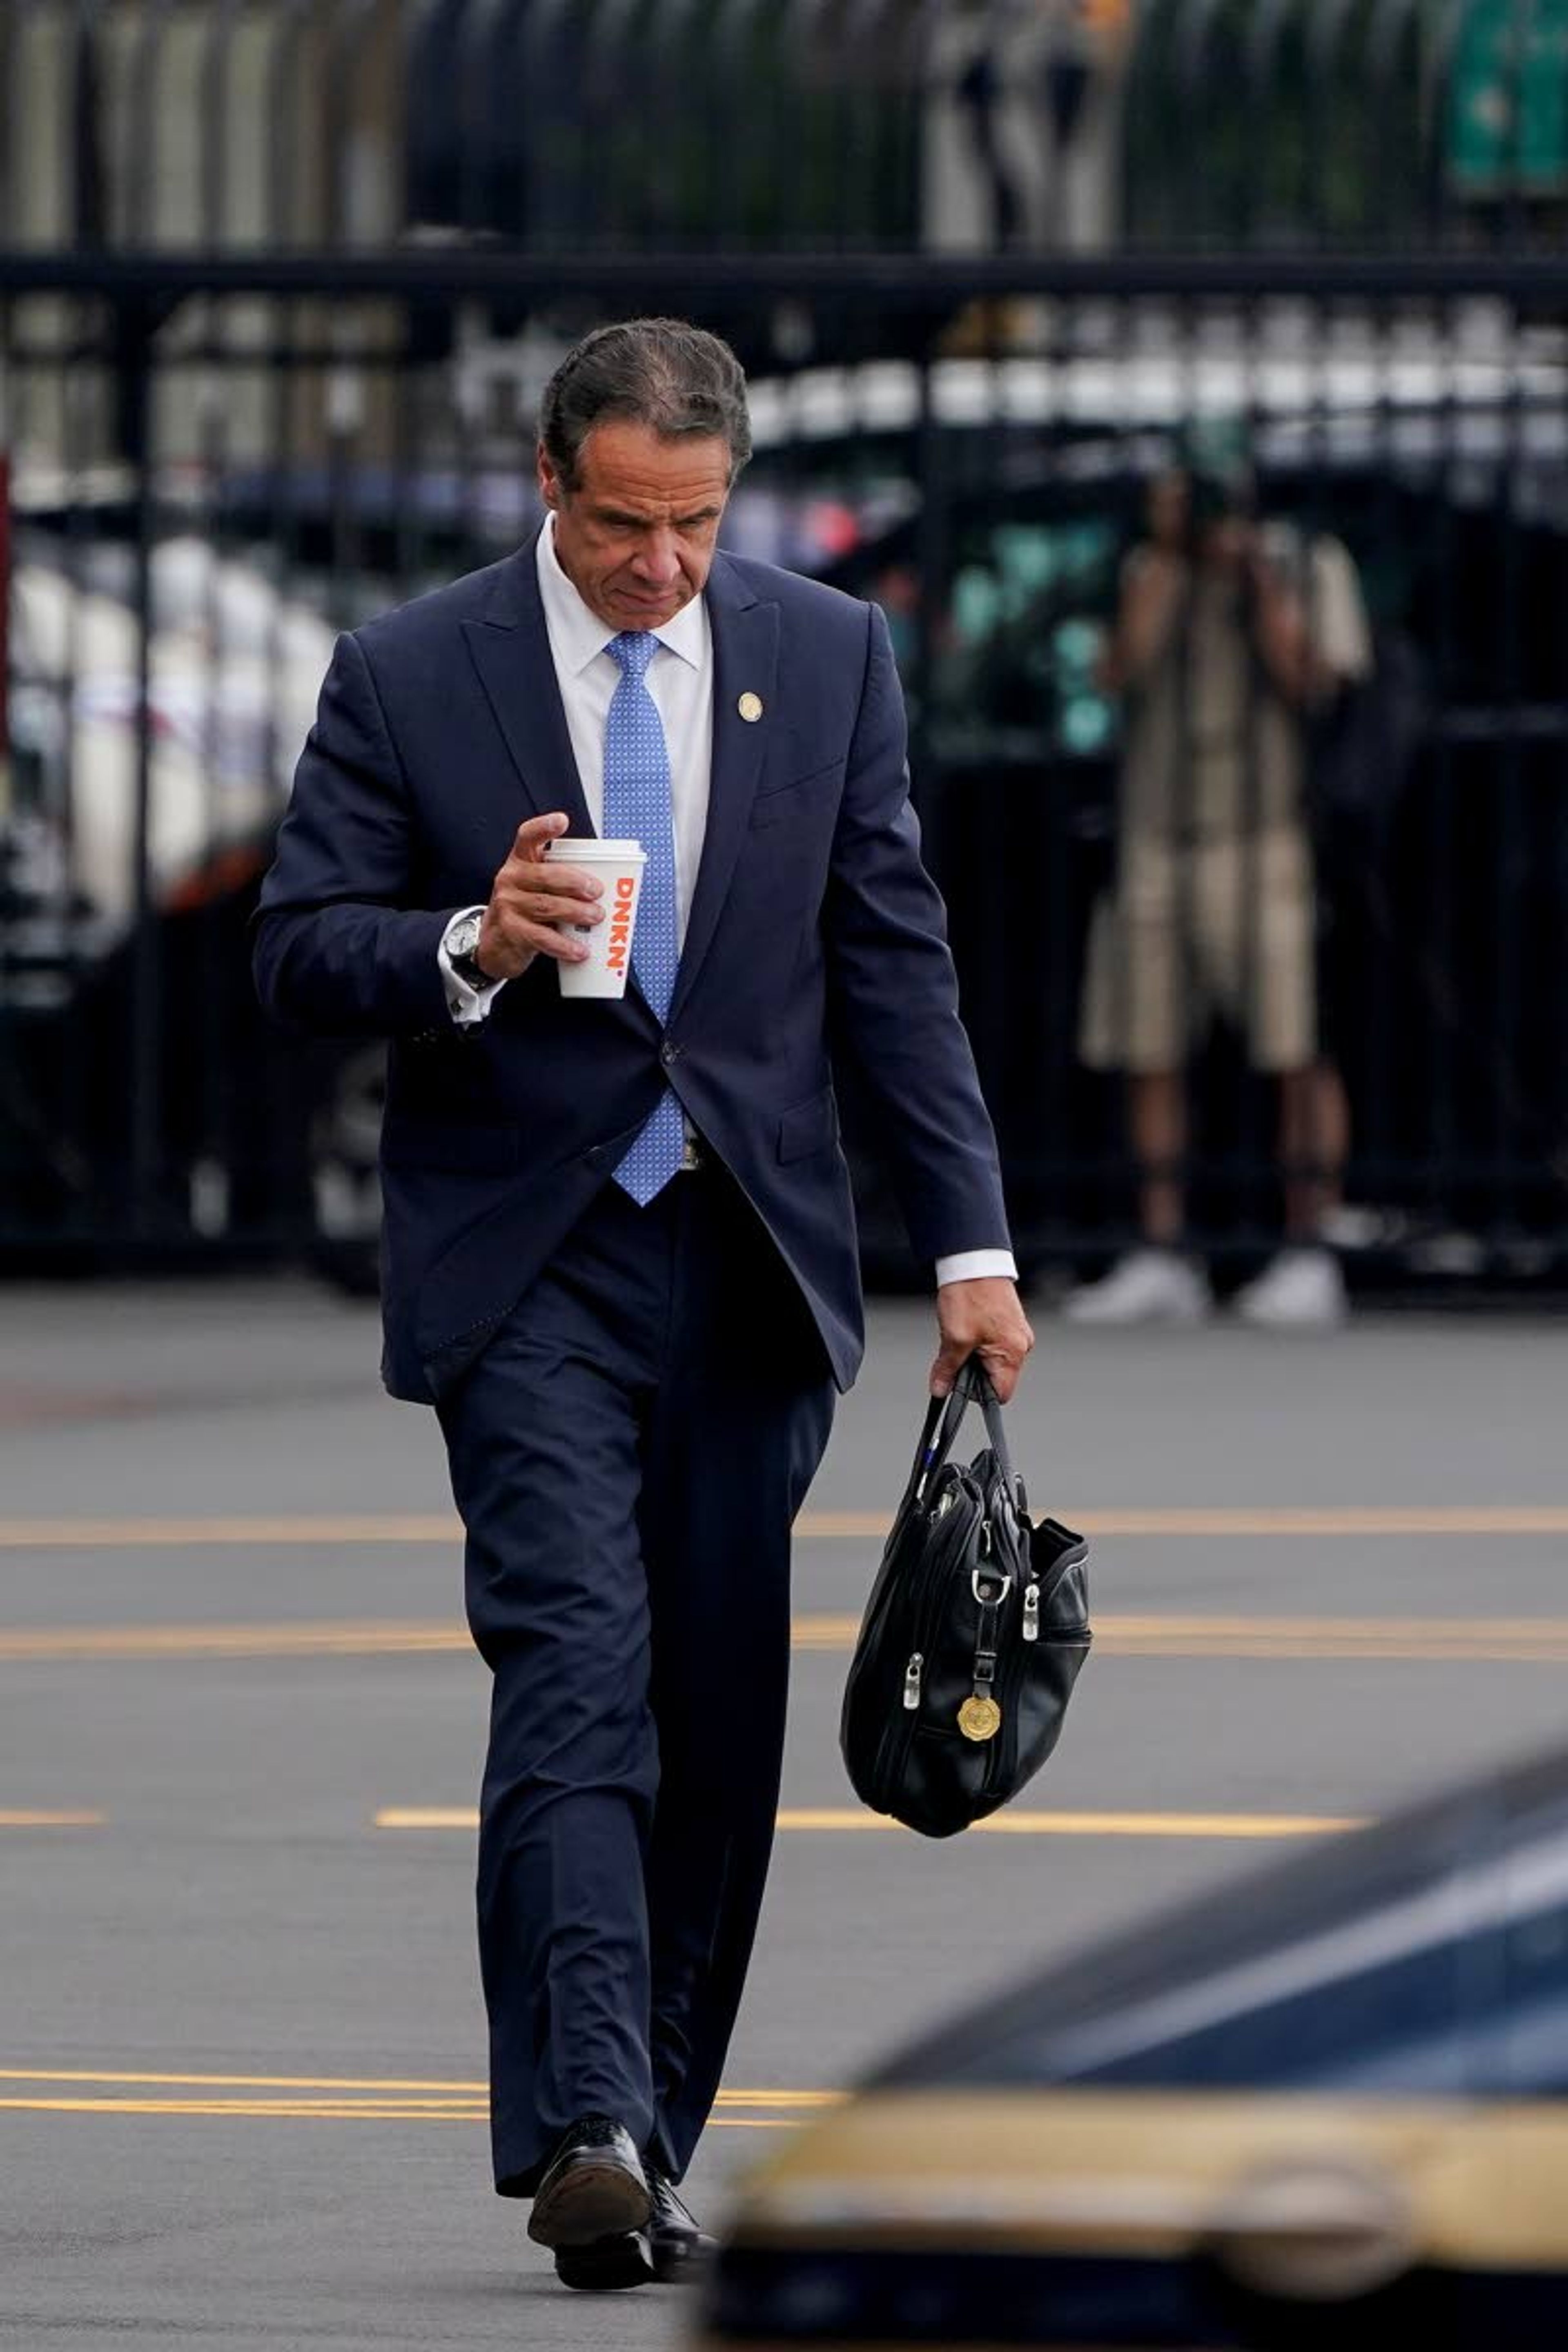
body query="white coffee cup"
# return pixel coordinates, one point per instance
(618, 864)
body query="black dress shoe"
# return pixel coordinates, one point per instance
(594, 2187)
(680, 2249)
(608, 2263)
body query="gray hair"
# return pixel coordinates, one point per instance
(677, 379)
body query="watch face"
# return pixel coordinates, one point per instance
(464, 936)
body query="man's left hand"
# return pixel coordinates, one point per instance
(981, 1318)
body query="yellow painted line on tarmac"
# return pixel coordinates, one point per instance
(1517, 1641)
(275, 2110)
(1141, 1825)
(311, 1638)
(1503, 1641)
(12, 1819)
(263, 1528)
(428, 1817)
(751, 2123)
(441, 2092)
(328, 2098)
(834, 1820)
(1514, 1640)
(771, 2106)
(295, 2111)
(327, 1529)
(1345, 1519)
(144, 2080)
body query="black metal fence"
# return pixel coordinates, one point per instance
(572, 125)
(217, 461)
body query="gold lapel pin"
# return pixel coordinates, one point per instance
(749, 707)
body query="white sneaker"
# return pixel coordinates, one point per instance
(1302, 1287)
(1147, 1285)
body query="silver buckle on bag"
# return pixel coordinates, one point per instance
(999, 1577)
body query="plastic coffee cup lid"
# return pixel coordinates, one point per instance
(591, 846)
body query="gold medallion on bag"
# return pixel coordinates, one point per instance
(980, 1719)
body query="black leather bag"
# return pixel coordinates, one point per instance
(972, 1637)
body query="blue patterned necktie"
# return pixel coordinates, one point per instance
(637, 808)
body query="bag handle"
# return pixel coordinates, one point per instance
(943, 1418)
(979, 1388)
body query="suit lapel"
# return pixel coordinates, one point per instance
(510, 648)
(745, 662)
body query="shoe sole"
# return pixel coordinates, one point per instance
(616, 2264)
(681, 2266)
(590, 2201)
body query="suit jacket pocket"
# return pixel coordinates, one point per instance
(810, 1125)
(777, 801)
(462, 1146)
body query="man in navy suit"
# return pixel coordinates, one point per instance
(619, 1252)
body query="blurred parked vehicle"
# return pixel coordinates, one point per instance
(233, 668)
(1329, 2107)
(88, 870)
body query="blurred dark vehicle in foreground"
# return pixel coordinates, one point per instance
(1329, 2108)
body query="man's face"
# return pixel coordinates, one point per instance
(636, 538)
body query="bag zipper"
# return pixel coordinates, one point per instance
(900, 1729)
(899, 1733)
(884, 1594)
(1007, 1740)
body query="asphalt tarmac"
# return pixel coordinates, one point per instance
(241, 2046)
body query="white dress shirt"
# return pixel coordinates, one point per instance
(681, 679)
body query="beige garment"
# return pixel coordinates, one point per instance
(1324, 572)
(1224, 926)
(1213, 906)
(1210, 746)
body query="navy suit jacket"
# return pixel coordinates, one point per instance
(814, 932)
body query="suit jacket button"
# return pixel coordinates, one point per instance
(596, 1157)
(669, 1054)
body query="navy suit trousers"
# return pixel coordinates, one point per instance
(627, 1457)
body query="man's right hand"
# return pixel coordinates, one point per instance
(529, 898)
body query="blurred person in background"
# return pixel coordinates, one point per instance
(1229, 636)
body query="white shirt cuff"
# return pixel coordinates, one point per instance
(974, 1266)
(467, 1005)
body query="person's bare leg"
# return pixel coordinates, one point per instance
(1157, 1116)
(1152, 1283)
(1314, 1143)
(1333, 1116)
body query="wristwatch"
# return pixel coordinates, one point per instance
(461, 939)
